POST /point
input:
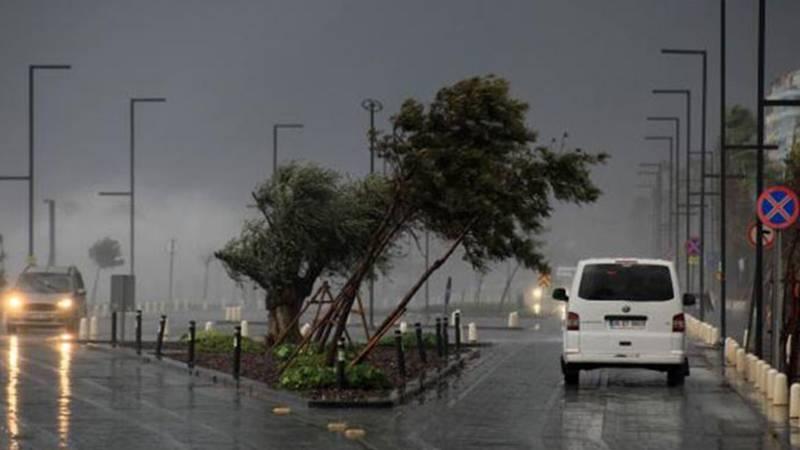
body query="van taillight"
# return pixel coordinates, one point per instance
(678, 323)
(573, 321)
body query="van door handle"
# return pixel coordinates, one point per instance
(625, 343)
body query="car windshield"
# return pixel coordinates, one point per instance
(637, 282)
(44, 283)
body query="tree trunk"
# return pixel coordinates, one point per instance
(94, 285)
(282, 313)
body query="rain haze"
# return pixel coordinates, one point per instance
(229, 70)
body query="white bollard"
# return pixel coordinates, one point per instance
(794, 401)
(305, 329)
(83, 329)
(751, 367)
(780, 396)
(513, 320)
(403, 327)
(741, 361)
(209, 326)
(762, 376)
(472, 333)
(166, 329)
(245, 328)
(453, 315)
(93, 328)
(771, 373)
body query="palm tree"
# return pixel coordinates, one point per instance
(105, 253)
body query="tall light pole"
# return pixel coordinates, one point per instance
(704, 55)
(131, 193)
(671, 194)
(688, 97)
(275, 129)
(723, 174)
(51, 207)
(32, 69)
(372, 106)
(171, 251)
(676, 122)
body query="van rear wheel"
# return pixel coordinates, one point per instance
(571, 377)
(676, 376)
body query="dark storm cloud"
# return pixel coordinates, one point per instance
(230, 69)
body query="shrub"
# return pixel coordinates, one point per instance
(218, 342)
(409, 340)
(308, 371)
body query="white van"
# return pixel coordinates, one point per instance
(624, 312)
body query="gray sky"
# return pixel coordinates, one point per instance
(232, 68)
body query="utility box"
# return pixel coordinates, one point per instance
(123, 293)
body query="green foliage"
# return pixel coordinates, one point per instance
(466, 162)
(283, 351)
(409, 340)
(309, 371)
(216, 342)
(106, 253)
(365, 376)
(312, 224)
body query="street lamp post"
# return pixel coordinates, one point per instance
(723, 170)
(51, 207)
(688, 97)
(131, 193)
(32, 69)
(372, 106)
(704, 55)
(676, 230)
(671, 195)
(658, 195)
(275, 129)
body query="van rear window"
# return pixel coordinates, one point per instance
(637, 283)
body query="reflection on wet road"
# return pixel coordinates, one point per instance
(63, 395)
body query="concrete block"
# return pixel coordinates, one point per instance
(794, 401)
(83, 329)
(472, 333)
(513, 320)
(780, 394)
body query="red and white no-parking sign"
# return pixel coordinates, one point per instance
(778, 207)
(767, 235)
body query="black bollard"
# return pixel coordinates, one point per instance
(237, 351)
(439, 351)
(401, 356)
(162, 324)
(445, 337)
(341, 381)
(138, 331)
(420, 342)
(113, 328)
(458, 333)
(192, 329)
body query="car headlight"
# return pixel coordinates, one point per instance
(15, 302)
(537, 293)
(65, 303)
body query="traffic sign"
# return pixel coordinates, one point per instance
(694, 260)
(767, 236)
(778, 207)
(693, 246)
(544, 280)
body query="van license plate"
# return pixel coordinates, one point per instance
(626, 324)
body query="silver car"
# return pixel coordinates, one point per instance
(46, 296)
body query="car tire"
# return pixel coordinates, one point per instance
(571, 377)
(676, 376)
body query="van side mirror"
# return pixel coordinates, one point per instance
(560, 294)
(81, 292)
(689, 299)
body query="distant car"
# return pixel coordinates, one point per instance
(46, 296)
(624, 313)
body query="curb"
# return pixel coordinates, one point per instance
(257, 389)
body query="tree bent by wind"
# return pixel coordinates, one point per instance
(106, 253)
(465, 168)
(311, 224)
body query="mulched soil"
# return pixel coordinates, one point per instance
(263, 368)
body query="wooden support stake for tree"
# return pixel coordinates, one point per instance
(401, 307)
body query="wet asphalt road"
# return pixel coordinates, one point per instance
(64, 395)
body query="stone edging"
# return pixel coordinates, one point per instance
(258, 389)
